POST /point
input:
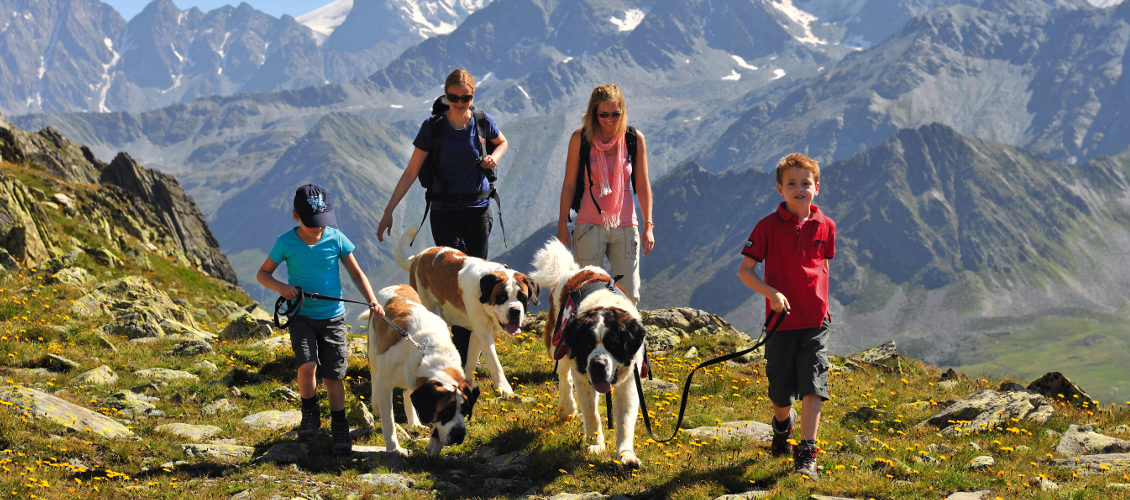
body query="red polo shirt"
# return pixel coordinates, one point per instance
(794, 256)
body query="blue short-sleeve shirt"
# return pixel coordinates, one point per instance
(457, 172)
(314, 268)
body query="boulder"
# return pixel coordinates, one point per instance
(7, 262)
(189, 431)
(244, 326)
(274, 419)
(165, 374)
(104, 256)
(746, 430)
(981, 462)
(285, 453)
(45, 406)
(971, 495)
(74, 276)
(219, 405)
(173, 327)
(59, 263)
(359, 415)
(286, 394)
(135, 297)
(1085, 441)
(131, 404)
(885, 356)
(751, 494)
(1054, 385)
(208, 366)
(223, 452)
(864, 414)
(102, 375)
(272, 343)
(987, 409)
(656, 385)
(189, 348)
(1116, 462)
(24, 229)
(60, 363)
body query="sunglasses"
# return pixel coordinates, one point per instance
(615, 114)
(452, 98)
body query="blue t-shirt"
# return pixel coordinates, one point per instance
(457, 172)
(314, 268)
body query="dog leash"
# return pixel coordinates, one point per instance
(768, 332)
(290, 309)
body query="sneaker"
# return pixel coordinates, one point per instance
(781, 446)
(342, 442)
(311, 422)
(804, 459)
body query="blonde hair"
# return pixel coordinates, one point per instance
(797, 160)
(459, 76)
(604, 93)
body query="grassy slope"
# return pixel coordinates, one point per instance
(34, 453)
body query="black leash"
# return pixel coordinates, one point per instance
(290, 308)
(687, 387)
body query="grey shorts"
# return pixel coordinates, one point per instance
(796, 364)
(321, 341)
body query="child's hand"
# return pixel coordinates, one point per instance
(376, 311)
(778, 302)
(288, 292)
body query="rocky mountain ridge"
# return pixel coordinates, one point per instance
(139, 210)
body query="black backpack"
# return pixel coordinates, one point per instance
(427, 175)
(630, 140)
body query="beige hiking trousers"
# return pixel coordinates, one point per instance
(593, 242)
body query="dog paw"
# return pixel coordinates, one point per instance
(401, 452)
(595, 449)
(434, 447)
(565, 415)
(628, 460)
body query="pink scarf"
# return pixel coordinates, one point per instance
(610, 177)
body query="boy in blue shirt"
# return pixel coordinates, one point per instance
(312, 251)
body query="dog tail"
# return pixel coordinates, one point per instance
(552, 264)
(402, 258)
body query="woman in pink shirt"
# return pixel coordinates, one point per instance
(600, 190)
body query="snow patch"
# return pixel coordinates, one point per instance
(778, 73)
(567, 59)
(632, 18)
(488, 77)
(734, 76)
(1102, 4)
(325, 19)
(107, 80)
(802, 18)
(856, 42)
(175, 53)
(395, 106)
(742, 63)
(523, 91)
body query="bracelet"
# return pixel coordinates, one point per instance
(646, 222)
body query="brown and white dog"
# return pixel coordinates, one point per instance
(604, 341)
(482, 296)
(432, 379)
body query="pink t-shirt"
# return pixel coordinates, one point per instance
(588, 213)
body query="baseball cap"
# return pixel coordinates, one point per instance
(312, 202)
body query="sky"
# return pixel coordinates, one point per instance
(130, 8)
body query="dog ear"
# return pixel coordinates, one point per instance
(577, 335)
(534, 289)
(470, 396)
(424, 400)
(486, 287)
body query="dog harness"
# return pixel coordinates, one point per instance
(573, 300)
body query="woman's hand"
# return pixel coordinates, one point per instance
(488, 162)
(385, 226)
(648, 237)
(564, 236)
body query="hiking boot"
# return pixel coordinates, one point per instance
(804, 459)
(781, 446)
(311, 422)
(342, 442)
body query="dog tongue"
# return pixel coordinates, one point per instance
(602, 387)
(512, 328)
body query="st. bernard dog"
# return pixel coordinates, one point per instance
(432, 379)
(604, 342)
(476, 294)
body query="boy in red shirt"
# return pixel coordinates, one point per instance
(795, 244)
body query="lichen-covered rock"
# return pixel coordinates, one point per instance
(128, 295)
(173, 327)
(189, 348)
(208, 366)
(359, 415)
(131, 404)
(1085, 441)
(105, 257)
(277, 342)
(989, 408)
(60, 363)
(395, 481)
(884, 356)
(164, 373)
(662, 339)
(74, 276)
(864, 414)
(41, 405)
(285, 453)
(24, 230)
(59, 263)
(287, 394)
(189, 431)
(223, 452)
(1114, 462)
(746, 430)
(1054, 385)
(103, 375)
(244, 326)
(981, 461)
(274, 419)
(219, 405)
